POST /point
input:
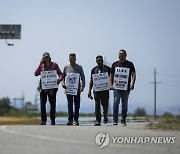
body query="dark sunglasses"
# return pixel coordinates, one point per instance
(100, 60)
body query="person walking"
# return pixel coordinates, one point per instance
(100, 81)
(48, 86)
(122, 81)
(74, 83)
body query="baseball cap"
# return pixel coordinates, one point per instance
(46, 54)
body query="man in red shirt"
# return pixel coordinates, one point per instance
(48, 69)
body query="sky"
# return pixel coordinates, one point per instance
(147, 29)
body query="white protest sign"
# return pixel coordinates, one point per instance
(49, 79)
(72, 83)
(121, 78)
(100, 81)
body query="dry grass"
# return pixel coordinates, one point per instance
(19, 121)
(166, 123)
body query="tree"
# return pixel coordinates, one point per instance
(4, 105)
(140, 112)
(168, 114)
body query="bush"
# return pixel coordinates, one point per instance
(140, 112)
(168, 114)
(4, 105)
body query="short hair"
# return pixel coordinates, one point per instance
(99, 56)
(123, 51)
(72, 54)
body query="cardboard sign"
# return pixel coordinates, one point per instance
(72, 83)
(49, 79)
(121, 78)
(101, 81)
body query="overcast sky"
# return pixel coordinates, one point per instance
(147, 29)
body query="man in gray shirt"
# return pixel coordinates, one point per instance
(70, 74)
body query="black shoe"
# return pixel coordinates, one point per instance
(70, 123)
(105, 120)
(76, 123)
(97, 124)
(43, 123)
(53, 123)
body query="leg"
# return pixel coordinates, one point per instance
(117, 96)
(77, 106)
(97, 107)
(70, 107)
(105, 104)
(52, 101)
(43, 100)
(125, 96)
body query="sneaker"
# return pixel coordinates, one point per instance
(115, 123)
(97, 124)
(123, 122)
(76, 123)
(43, 123)
(53, 123)
(70, 123)
(105, 122)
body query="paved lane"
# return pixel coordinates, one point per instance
(61, 139)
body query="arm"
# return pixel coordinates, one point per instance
(133, 76)
(111, 81)
(38, 70)
(133, 79)
(83, 79)
(63, 80)
(59, 73)
(112, 77)
(90, 86)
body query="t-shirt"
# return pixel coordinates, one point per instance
(126, 64)
(102, 69)
(75, 69)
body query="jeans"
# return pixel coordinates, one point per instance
(123, 95)
(101, 98)
(76, 100)
(52, 100)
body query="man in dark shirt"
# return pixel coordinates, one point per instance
(100, 80)
(122, 80)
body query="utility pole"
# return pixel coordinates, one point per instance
(155, 83)
(36, 98)
(22, 99)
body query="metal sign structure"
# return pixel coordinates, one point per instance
(10, 32)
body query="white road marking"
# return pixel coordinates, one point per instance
(4, 128)
(126, 146)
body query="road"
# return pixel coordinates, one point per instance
(62, 139)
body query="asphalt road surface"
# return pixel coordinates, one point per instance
(88, 139)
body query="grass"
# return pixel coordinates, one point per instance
(19, 121)
(166, 123)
